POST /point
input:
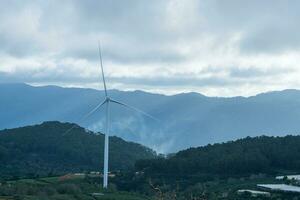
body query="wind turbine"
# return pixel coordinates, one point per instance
(107, 102)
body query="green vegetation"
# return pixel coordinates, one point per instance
(44, 150)
(61, 188)
(71, 187)
(268, 155)
(218, 171)
(39, 162)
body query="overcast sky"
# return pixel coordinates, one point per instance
(215, 47)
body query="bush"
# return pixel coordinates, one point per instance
(68, 189)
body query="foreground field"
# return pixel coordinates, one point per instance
(61, 188)
(84, 187)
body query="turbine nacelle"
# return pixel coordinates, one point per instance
(107, 99)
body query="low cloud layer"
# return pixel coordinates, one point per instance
(219, 48)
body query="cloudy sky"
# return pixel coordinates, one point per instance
(216, 47)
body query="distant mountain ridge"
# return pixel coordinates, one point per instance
(186, 120)
(46, 149)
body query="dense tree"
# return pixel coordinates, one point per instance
(245, 156)
(46, 149)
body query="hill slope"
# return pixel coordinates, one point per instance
(186, 119)
(242, 157)
(43, 149)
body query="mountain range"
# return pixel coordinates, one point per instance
(185, 120)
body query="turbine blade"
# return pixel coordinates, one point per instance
(135, 109)
(86, 116)
(101, 64)
(94, 110)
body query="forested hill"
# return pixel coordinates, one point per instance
(244, 156)
(44, 149)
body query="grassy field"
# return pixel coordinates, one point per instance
(61, 188)
(71, 187)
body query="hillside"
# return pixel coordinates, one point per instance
(268, 155)
(44, 149)
(187, 120)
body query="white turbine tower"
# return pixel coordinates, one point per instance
(107, 101)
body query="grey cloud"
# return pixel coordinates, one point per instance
(255, 72)
(272, 39)
(18, 48)
(266, 26)
(185, 80)
(179, 81)
(135, 55)
(137, 32)
(275, 30)
(33, 77)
